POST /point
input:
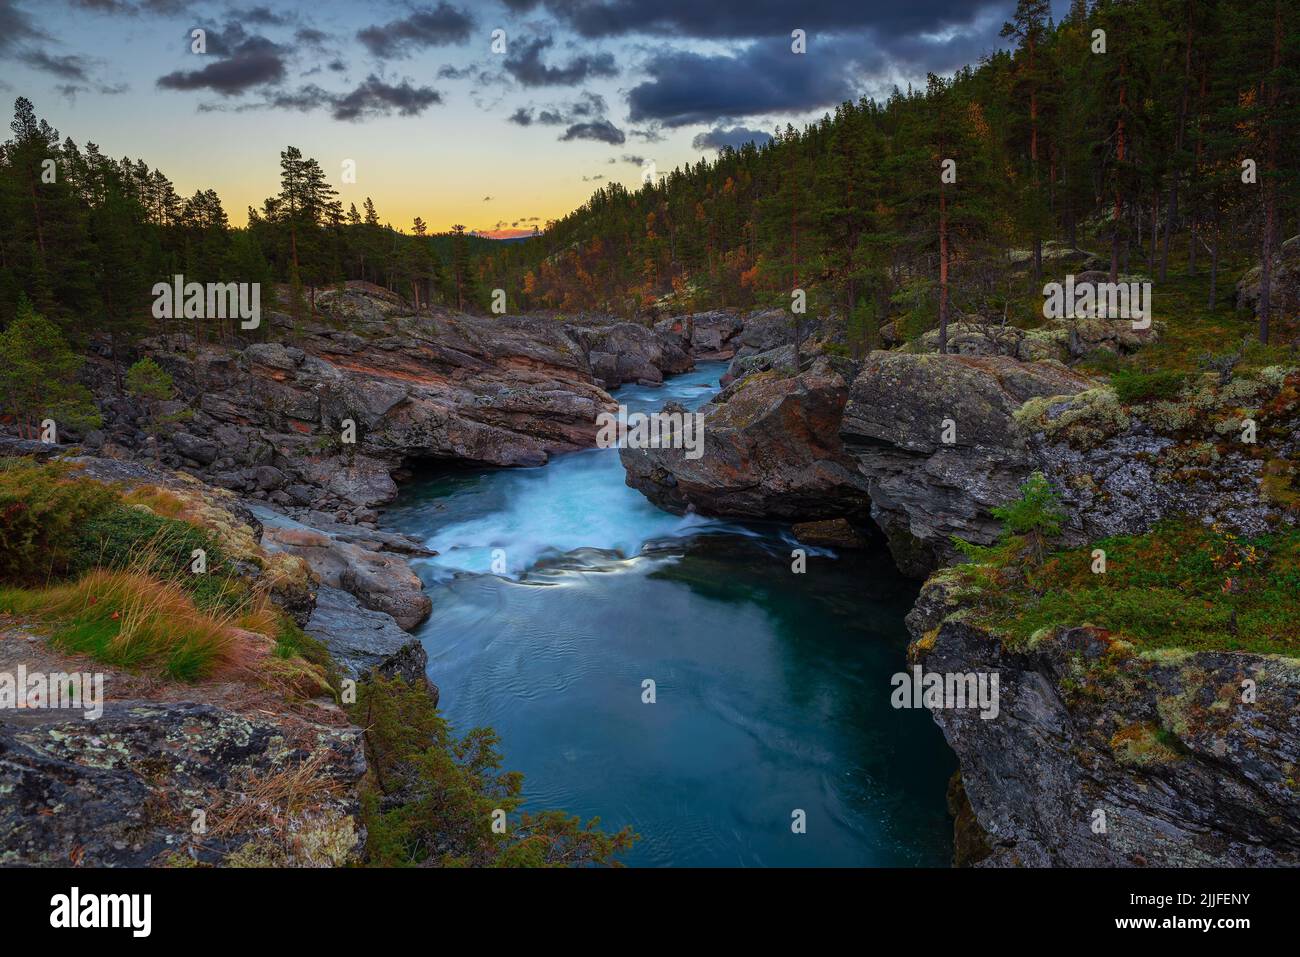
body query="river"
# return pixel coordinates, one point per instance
(559, 591)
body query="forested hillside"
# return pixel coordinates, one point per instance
(1159, 134)
(1130, 141)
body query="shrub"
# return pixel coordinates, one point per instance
(1027, 524)
(43, 509)
(38, 375)
(1133, 386)
(434, 795)
(1036, 512)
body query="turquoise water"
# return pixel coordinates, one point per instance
(558, 591)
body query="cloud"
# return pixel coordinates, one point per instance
(459, 73)
(70, 67)
(374, 97)
(310, 36)
(686, 87)
(602, 131)
(72, 90)
(425, 27)
(126, 8)
(750, 19)
(261, 16)
(736, 137)
(247, 60)
(16, 27)
(587, 107)
(526, 65)
(228, 77)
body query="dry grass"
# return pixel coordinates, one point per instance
(127, 618)
(160, 501)
(272, 802)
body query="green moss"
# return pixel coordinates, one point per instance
(1083, 420)
(1182, 585)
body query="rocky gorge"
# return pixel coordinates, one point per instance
(1106, 754)
(293, 450)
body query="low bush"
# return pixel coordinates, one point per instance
(43, 509)
(1133, 386)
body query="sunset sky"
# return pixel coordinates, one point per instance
(439, 125)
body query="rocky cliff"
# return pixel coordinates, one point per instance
(1105, 755)
(1102, 752)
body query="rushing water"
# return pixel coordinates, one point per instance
(772, 688)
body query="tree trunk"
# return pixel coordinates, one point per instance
(1214, 261)
(943, 270)
(1270, 193)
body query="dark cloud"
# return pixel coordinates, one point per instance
(374, 97)
(750, 19)
(458, 73)
(261, 16)
(736, 137)
(310, 36)
(246, 61)
(16, 27)
(70, 67)
(633, 159)
(588, 106)
(525, 65)
(602, 131)
(72, 90)
(766, 77)
(127, 8)
(425, 27)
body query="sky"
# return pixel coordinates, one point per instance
(495, 114)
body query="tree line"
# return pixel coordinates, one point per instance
(87, 237)
(1139, 127)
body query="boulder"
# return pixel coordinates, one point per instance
(1186, 774)
(363, 641)
(936, 446)
(771, 449)
(1284, 283)
(203, 451)
(380, 580)
(830, 533)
